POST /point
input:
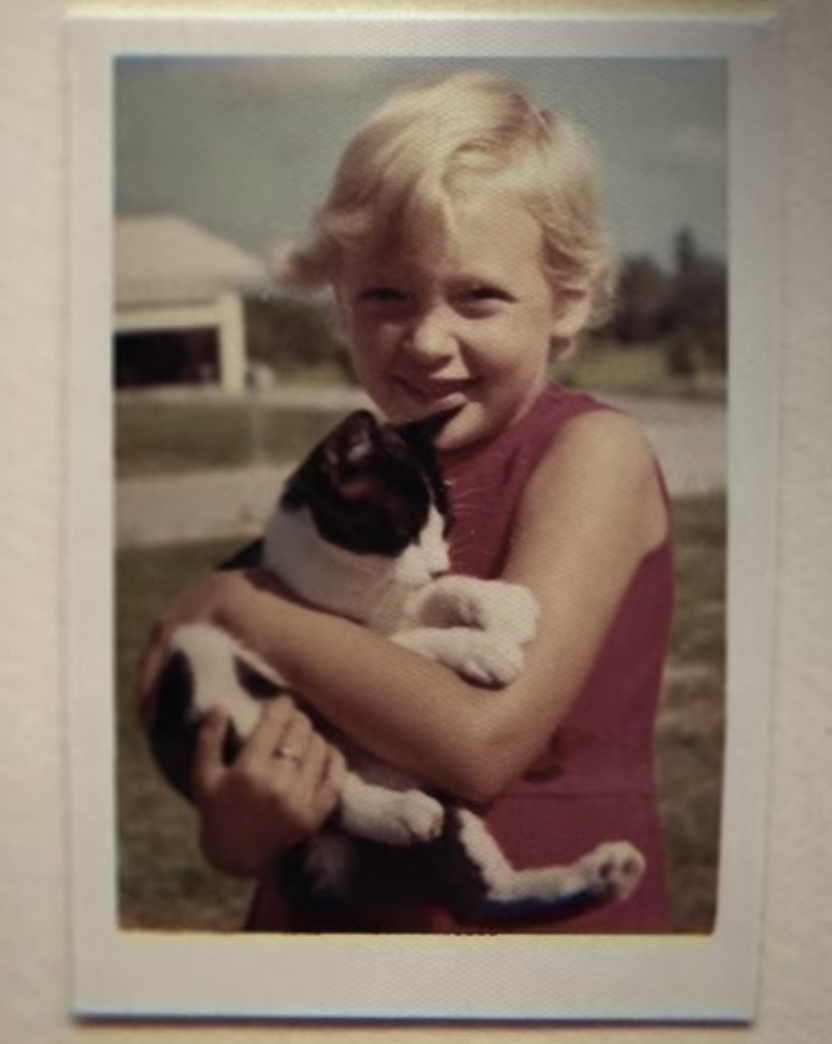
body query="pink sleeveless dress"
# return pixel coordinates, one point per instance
(595, 782)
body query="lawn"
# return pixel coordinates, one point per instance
(155, 435)
(603, 366)
(163, 882)
(163, 433)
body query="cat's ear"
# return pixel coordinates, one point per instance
(350, 442)
(426, 429)
(353, 441)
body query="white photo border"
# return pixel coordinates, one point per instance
(571, 978)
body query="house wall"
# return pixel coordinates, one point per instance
(223, 316)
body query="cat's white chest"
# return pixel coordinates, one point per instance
(373, 589)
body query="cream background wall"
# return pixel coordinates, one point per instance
(796, 978)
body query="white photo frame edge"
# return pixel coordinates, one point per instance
(708, 978)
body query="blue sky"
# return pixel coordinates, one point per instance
(246, 146)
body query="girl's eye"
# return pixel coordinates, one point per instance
(483, 294)
(380, 295)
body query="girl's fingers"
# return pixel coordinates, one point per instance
(208, 766)
(331, 780)
(311, 763)
(293, 746)
(317, 783)
(270, 731)
(319, 768)
(284, 753)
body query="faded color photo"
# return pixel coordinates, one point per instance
(578, 343)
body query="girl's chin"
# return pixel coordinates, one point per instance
(416, 403)
(466, 428)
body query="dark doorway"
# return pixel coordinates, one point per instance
(160, 357)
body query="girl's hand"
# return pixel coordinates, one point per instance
(208, 601)
(280, 788)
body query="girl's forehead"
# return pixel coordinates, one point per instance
(477, 235)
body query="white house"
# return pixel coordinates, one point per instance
(178, 305)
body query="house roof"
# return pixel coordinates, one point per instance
(165, 259)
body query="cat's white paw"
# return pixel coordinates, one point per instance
(501, 608)
(411, 817)
(490, 661)
(613, 869)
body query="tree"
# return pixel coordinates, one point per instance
(700, 308)
(642, 300)
(290, 334)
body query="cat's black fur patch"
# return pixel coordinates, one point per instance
(254, 682)
(172, 733)
(365, 484)
(388, 885)
(385, 885)
(174, 729)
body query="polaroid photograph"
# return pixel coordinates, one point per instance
(420, 525)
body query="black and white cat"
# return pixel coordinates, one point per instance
(360, 529)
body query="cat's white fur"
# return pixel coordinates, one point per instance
(478, 628)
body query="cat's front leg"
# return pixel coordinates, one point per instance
(389, 816)
(485, 659)
(496, 606)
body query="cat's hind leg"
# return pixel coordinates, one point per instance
(608, 873)
(389, 815)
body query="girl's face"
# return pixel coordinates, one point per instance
(470, 327)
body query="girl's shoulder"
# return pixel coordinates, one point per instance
(563, 419)
(603, 459)
(557, 404)
(592, 424)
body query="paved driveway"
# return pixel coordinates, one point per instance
(689, 438)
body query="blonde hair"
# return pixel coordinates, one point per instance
(433, 141)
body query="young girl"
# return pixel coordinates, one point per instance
(461, 238)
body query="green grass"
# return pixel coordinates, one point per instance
(185, 432)
(164, 883)
(154, 435)
(691, 727)
(633, 370)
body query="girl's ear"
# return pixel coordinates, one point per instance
(571, 312)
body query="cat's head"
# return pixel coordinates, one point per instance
(375, 489)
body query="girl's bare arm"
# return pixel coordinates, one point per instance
(591, 512)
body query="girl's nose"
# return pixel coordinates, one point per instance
(430, 336)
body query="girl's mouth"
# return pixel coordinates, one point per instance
(437, 394)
